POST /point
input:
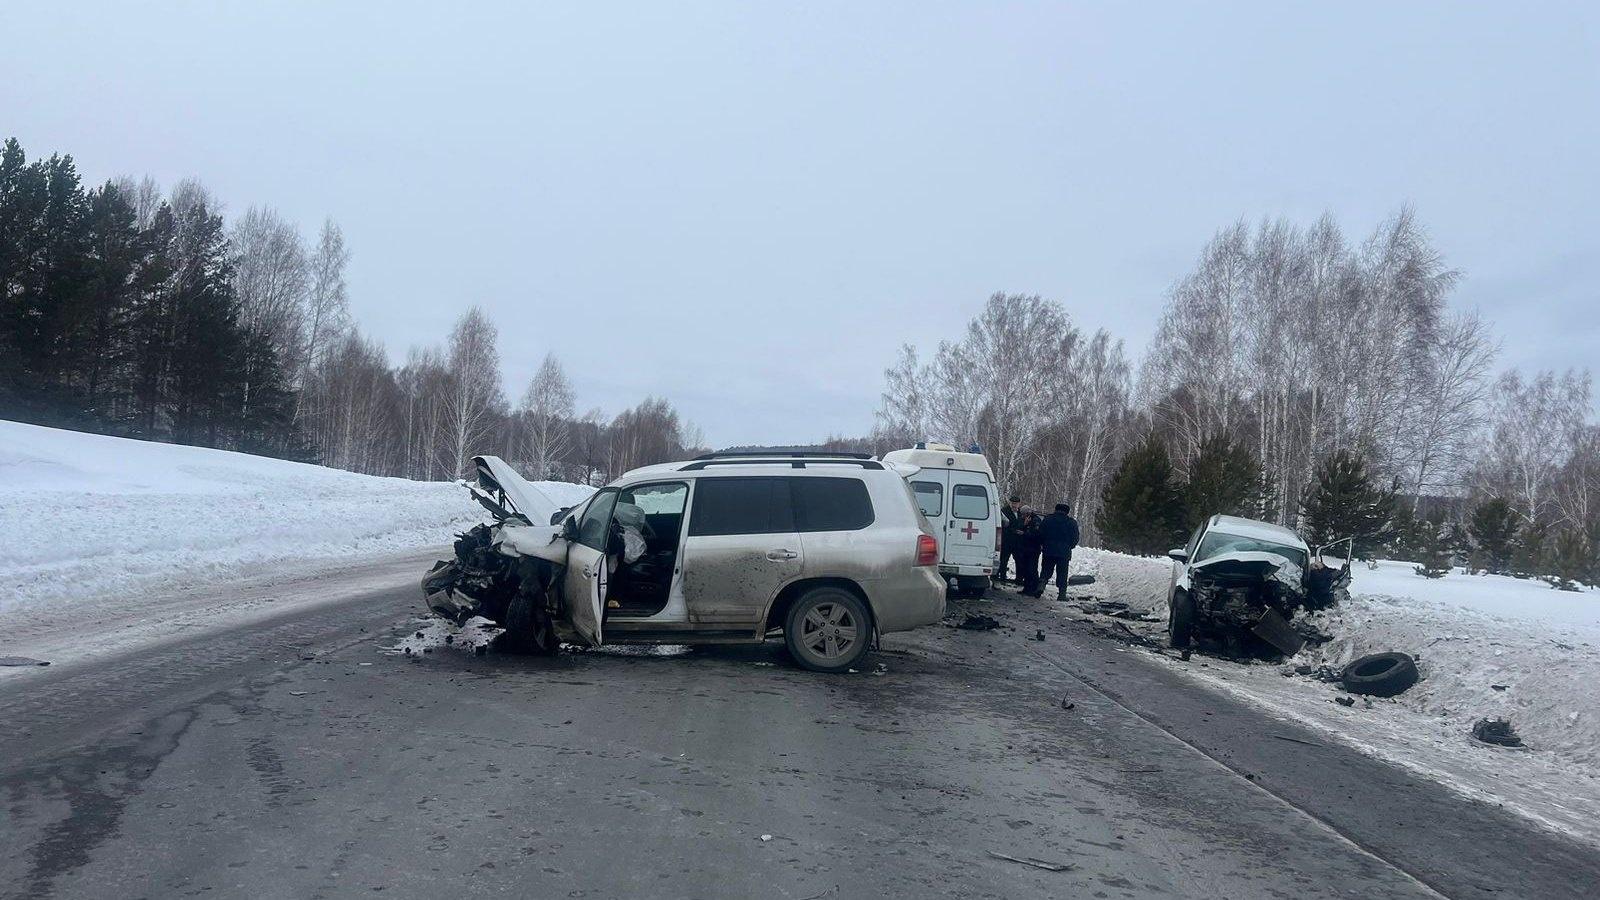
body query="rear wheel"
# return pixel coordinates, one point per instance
(828, 629)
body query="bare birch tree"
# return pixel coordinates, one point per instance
(327, 307)
(1537, 425)
(544, 415)
(473, 395)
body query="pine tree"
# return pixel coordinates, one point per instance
(1432, 548)
(1343, 502)
(1572, 560)
(1224, 478)
(1406, 534)
(1141, 507)
(1493, 528)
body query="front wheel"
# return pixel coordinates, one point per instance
(528, 625)
(1180, 620)
(828, 629)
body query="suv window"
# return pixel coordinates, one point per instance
(831, 504)
(969, 501)
(741, 506)
(596, 519)
(930, 497)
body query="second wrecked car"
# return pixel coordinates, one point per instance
(1239, 583)
(827, 549)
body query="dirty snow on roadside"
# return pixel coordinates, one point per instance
(89, 519)
(1486, 646)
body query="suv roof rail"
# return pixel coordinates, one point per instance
(780, 452)
(701, 462)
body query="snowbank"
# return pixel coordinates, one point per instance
(1139, 581)
(1497, 595)
(87, 516)
(1486, 646)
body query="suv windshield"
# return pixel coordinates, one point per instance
(1216, 543)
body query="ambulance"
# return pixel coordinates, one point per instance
(957, 493)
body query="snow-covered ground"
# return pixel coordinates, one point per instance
(1486, 646)
(97, 525)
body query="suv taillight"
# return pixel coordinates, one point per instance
(927, 550)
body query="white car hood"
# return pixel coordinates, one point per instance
(1257, 563)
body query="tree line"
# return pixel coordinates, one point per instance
(131, 311)
(1294, 377)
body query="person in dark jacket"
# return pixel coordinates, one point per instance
(1009, 514)
(1058, 534)
(1028, 549)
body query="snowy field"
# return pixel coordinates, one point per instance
(1486, 646)
(98, 524)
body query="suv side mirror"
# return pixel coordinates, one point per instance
(558, 515)
(1179, 554)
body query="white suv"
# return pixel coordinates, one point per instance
(828, 548)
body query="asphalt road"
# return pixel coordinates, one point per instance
(290, 756)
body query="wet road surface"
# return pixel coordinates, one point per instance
(293, 757)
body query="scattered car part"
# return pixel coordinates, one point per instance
(1345, 700)
(22, 661)
(1273, 628)
(1496, 731)
(1380, 674)
(977, 622)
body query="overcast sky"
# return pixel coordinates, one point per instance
(747, 208)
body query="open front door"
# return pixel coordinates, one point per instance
(583, 586)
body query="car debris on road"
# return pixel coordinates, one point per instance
(1496, 731)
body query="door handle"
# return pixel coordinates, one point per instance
(776, 555)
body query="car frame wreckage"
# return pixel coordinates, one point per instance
(1239, 584)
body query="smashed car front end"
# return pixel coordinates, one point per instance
(506, 571)
(1244, 604)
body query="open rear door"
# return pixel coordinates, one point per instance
(583, 585)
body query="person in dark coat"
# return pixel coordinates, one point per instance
(1009, 514)
(1058, 534)
(1028, 549)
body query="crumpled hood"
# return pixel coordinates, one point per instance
(1244, 562)
(502, 490)
(1252, 564)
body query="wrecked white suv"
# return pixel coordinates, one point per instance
(828, 549)
(1238, 584)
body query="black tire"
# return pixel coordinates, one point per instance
(1380, 674)
(828, 617)
(528, 626)
(1180, 620)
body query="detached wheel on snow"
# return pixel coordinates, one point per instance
(1380, 674)
(528, 626)
(827, 629)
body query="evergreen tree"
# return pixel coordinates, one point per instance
(1224, 478)
(1343, 502)
(1493, 529)
(1141, 507)
(1572, 560)
(1432, 548)
(1406, 534)
(1530, 555)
